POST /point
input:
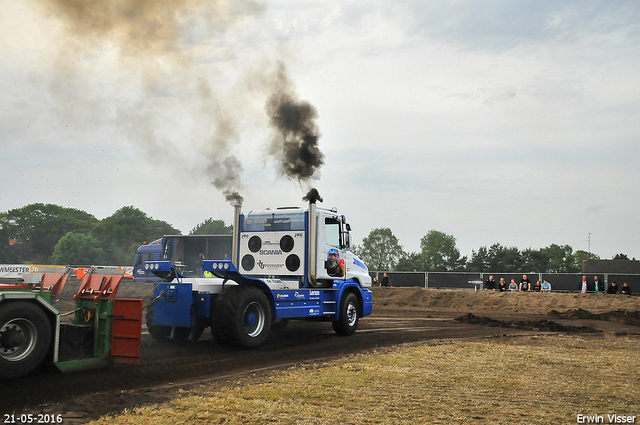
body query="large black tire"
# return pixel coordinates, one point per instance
(347, 323)
(25, 338)
(241, 317)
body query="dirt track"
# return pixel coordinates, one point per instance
(400, 315)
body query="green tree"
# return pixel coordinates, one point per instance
(7, 254)
(480, 260)
(439, 252)
(581, 255)
(126, 229)
(503, 259)
(212, 227)
(39, 227)
(77, 249)
(561, 259)
(380, 250)
(534, 260)
(410, 262)
(621, 256)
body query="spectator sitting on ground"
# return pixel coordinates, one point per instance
(513, 286)
(536, 287)
(546, 286)
(490, 284)
(525, 284)
(625, 289)
(612, 289)
(502, 286)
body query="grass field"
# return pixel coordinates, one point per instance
(509, 380)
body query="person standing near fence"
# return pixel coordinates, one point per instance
(546, 286)
(536, 286)
(583, 285)
(490, 284)
(612, 289)
(199, 264)
(597, 286)
(525, 284)
(385, 280)
(513, 286)
(502, 286)
(625, 289)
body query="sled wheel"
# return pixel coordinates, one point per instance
(241, 317)
(25, 338)
(347, 322)
(158, 333)
(278, 325)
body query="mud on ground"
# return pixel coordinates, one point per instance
(400, 315)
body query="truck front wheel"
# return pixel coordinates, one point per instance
(241, 317)
(347, 323)
(25, 338)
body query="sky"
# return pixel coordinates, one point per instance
(493, 121)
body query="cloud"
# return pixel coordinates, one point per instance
(492, 121)
(503, 24)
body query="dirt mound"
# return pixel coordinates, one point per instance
(535, 325)
(624, 316)
(620, 316)
(501, 303)
(575, 314)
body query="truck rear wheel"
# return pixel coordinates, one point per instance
(241, 317)
(25, 338)
(347, 323)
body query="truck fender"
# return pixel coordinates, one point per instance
(350, 287)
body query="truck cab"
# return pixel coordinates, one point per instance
(279, 243)
(185, 252)
(146, 252)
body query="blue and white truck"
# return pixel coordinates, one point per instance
(287, 263)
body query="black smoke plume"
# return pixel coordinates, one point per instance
(295, 144)
(228, 180)
(152, 37)
(313, 196)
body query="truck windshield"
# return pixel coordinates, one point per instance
(274, 222)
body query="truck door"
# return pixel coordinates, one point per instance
(334, 247)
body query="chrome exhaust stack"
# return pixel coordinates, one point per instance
(236, 234)
(312, 197)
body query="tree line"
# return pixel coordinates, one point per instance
(380, 250)
(51, 234)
